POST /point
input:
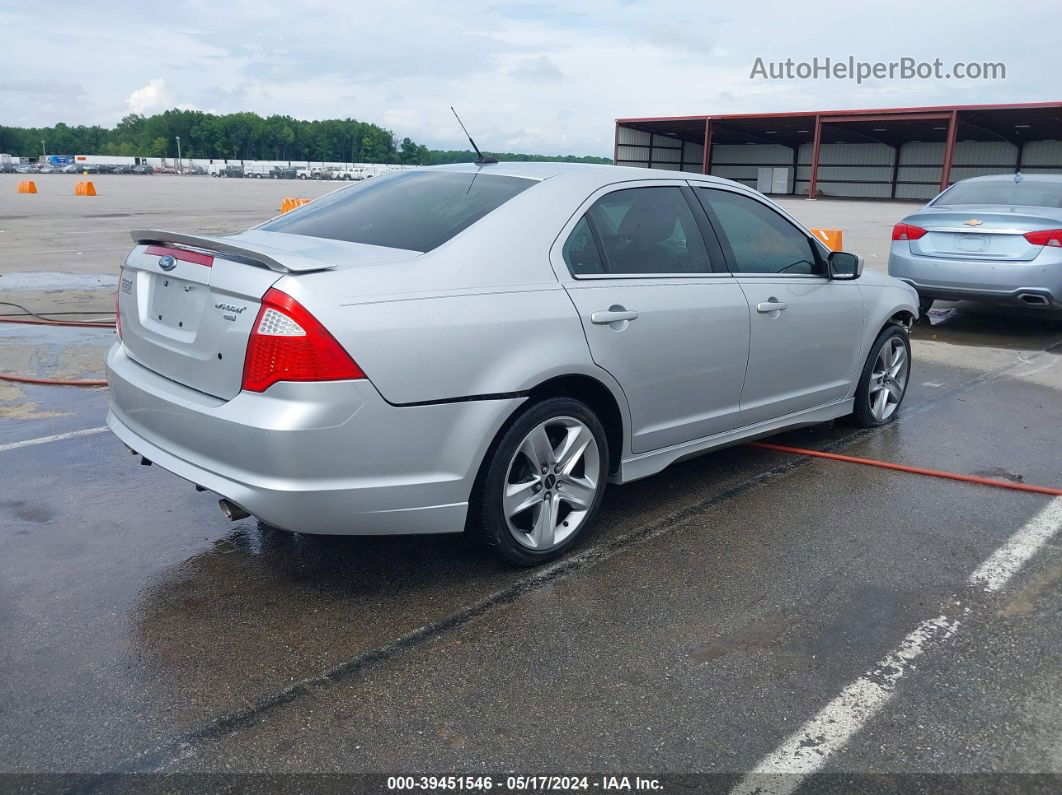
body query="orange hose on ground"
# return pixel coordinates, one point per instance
(67, 323)
(23, 379)
(935, 473)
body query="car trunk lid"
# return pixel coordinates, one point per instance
(978, 232)
(188, 303)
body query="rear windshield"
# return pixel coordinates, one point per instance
(1025, 194)
(415, 210)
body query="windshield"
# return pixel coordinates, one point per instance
(414, 210)
(1026, 194)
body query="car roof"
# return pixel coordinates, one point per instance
(548, 169)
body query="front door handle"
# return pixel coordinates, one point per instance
(774, 305)
(612, 316)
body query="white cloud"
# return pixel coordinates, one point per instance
(149, 98)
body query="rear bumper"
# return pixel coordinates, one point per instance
(1036, 283)
(329, 458)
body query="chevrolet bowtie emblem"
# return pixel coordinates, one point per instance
(974, 222)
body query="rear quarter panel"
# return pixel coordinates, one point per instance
(443, 347)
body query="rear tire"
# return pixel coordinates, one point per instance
(924, 305)
(542, 482)
(884, 380)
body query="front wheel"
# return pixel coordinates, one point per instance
(543, 483)
(883, 383)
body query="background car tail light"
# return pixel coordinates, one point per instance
(907, 232)
(287, 343)
(1045, 237)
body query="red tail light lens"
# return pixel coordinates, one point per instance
(289, 344)
(1045, 237)
(907, 232)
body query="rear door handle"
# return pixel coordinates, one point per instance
(765, 307)
(612, 316)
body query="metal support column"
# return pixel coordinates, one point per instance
(813, 181)
(949, 150)
(706, 157)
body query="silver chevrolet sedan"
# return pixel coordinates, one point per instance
(996, 239)
(484, 347)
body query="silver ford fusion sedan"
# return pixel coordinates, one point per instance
(996, 239)
(483, 347)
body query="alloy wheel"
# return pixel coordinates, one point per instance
(551, 483)
(888, 379)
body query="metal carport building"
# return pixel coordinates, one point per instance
(898, 153)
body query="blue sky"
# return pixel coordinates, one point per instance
(541, 77)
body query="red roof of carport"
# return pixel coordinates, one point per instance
(848, 112)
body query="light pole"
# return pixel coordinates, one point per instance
(178, 154)
(44, 155)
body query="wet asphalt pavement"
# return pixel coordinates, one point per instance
(716, 607)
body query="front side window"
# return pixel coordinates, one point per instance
(414, 210)
(761, 240)
(649, 230)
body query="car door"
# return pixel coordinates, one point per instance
(659, 310)
(805, 327)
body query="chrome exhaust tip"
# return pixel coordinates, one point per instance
(1033, 299)
(232, 511)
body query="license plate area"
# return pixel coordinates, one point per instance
(175, 306)
(973, 244)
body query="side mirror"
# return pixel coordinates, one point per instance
(843, 265)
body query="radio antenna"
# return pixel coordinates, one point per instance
(479, 155)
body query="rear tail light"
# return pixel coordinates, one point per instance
(289, 344)
(1045, 237)
(907, 232)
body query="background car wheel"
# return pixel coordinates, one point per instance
(543, 482)
(883, 383)
(924, 305)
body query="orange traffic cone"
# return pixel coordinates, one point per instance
(84, 188)
(291, 202)
(27, 186)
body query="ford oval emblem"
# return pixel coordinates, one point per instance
(167, 263)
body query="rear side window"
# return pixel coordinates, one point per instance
(580, 251)
(414, 210)
(761, 240)
(649, 230)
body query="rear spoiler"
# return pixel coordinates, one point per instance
(274, 259)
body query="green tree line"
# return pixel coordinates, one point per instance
(241, 136)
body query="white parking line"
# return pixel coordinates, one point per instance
(807, 749)
(1005, 561)
(54, 438)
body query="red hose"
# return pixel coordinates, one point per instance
(23, 379)
(69, 323)
(935, 473)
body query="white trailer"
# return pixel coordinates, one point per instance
(257, 169)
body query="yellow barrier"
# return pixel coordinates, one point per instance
(84, 188)
(291, 202)
(27, 186)
(833, 239)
